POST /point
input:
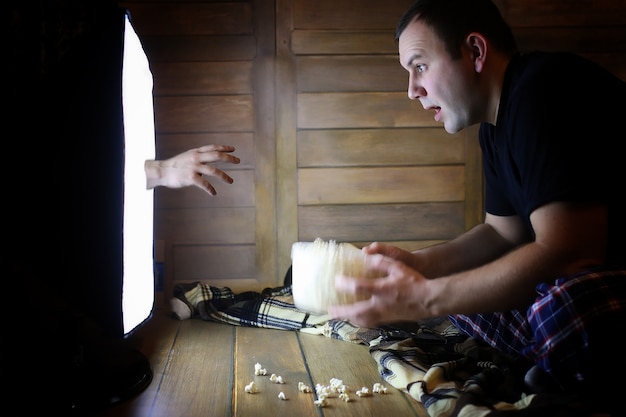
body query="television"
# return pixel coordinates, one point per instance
(113, 209)
(112, 124)
(81, 216)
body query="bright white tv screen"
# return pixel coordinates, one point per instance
(139, 145)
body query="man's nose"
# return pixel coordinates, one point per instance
(415, 91)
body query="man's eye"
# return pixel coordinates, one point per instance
(420, 67)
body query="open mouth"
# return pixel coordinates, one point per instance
(436, 109)
(437, 113)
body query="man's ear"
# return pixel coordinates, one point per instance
(477, 45)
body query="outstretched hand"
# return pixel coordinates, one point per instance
(191, 168)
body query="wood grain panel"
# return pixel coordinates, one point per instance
(196, 262)
(533, 13)
(378, 147)
(281, 355)
(348, 14)
(200, 18)
(206, 380)
(356, 369)
(286, 128)
(195, 78)
(380, 185)
(199, 48)
(573, 39)
(363, 223)
(204, 114)
(169, 145)
(265, 142)
(208, 225)
(351, 73)
(238, 194)
(360, 110)
(474, 181)
(344, 42)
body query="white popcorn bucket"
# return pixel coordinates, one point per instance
(314, 266)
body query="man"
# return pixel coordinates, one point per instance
(544, 277)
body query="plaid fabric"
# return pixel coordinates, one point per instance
(272, 308)
(554, 331)
(450, 373)
(458, 376)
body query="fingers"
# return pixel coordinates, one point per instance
(374, 247)
(390, 251)
(211, 171)
(218, 148)
(360, 313)
(214, 153)
(203, 157)
(364, 287)
(383, 249)
(360, 287)
(207, 186)
(202, 182)
(381, 298)
(225, 157)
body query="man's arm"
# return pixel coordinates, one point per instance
(569, 238)
(481, 244)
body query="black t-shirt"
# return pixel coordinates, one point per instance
(558, 137)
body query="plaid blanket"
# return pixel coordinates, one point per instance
(452, 375)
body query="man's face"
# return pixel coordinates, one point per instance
(435, 79)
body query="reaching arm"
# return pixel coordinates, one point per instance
(191, 167)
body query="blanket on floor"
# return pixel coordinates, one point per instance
(452, 375)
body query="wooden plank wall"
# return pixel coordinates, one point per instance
(312, 95)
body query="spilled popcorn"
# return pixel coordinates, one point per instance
(302, 387)
(364, 392)
(334, 388)
(259, 370)
(251, 388)
(277, 379)
(379, 388)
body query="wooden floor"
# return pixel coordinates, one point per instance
(201, 369)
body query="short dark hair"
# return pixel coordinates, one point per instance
(453, 20)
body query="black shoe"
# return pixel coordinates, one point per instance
(539, 381)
